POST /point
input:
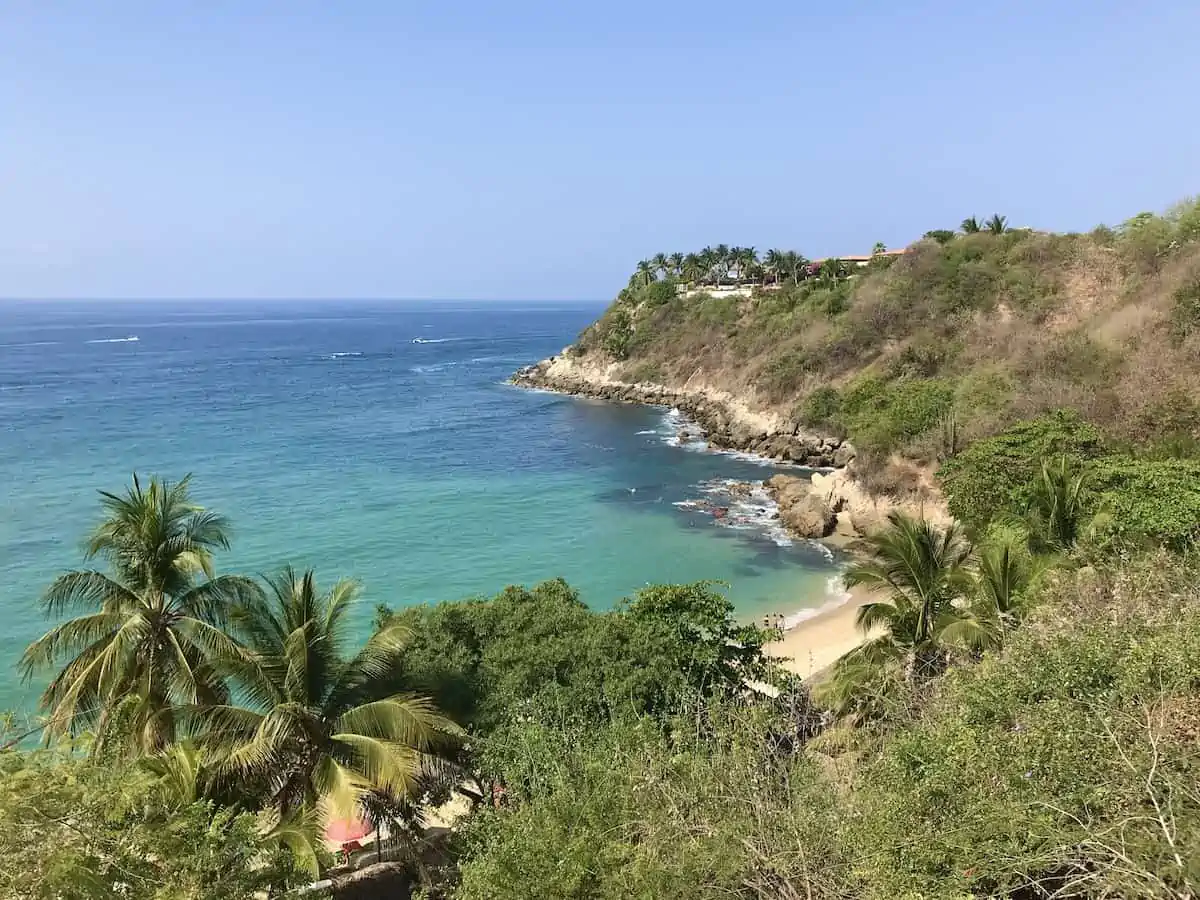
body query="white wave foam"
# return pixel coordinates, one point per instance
(837, 594)
(650, 431)
(347, 355)
(435, 367)
(124, 340)
(434, 340)
(752, 511)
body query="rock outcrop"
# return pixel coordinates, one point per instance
(803, 512)
(723, 425)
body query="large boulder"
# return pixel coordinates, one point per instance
(803, 512)
(842, 455)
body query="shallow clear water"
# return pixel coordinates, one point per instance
(335, 441)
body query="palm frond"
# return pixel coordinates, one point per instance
(402, 718)
(85, 591)
(384, 765)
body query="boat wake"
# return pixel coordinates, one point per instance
(351, 354)
(434, 340)
(124, 340)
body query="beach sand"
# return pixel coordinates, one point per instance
(816, 643)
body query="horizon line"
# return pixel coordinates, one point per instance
(299, 299)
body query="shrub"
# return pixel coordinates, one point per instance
(822, 407)
(618, 334)
(658, 293)
(1185, 310)
(997, 475)
(1154, 502)
(1067, 762)
(880, 417)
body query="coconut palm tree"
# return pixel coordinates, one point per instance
(722, 262)
(747, 263)
(661, 264)
(645, 273)
(923, 571)
(1056, 510)
(319, 727)
(676, 261)
(997, 224)
(692, 269)
(773, 264)
(144, 634)
(970, 225)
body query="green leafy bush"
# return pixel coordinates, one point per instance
(994, 477)
(880, 417)
(822, 407)
(1148, 501)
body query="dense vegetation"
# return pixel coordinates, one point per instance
(960, 336)
(1021, 721)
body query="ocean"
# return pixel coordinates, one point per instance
(368, 440)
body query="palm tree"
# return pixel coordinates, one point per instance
(773, 264)
(970, 225)
(879, 249)
(1056, 510)
(676, 261)
(747, 262)
(832, 269)
(923, 570)
(145, 634)
(661, 264)
(319, 727)
(722, 261)
(997, 224)
(692, 269)
(645, 272)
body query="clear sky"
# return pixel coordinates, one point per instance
(524, 150)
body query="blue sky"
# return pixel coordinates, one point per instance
(536, 151)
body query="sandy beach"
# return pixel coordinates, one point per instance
(816, 643)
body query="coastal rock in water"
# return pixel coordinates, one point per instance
(805, 513)
(809, 518)
(741, 489)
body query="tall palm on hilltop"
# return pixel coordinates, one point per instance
(773, 264)
(321, 729)
(661, 264)
(645, 272)
(708, 262)
(144, 634)
(922, 570)
(970, 225)
(794, 264)
(676, 261)
(692, 269)
(997, 224)
(722, 262)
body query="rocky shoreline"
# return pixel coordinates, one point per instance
(722, 427)
(831, 505)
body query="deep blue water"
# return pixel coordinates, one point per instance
(334, 441)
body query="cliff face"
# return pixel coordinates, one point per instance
(727, 421)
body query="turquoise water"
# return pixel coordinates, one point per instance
(368, 440)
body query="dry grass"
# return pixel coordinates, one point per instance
(1075, 321)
